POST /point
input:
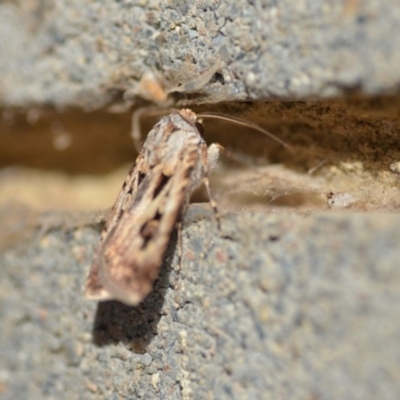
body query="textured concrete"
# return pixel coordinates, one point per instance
(90, 53)
(273, 306)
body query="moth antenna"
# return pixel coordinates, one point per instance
(199, 82)
(318, 166)
(136, 132)
(243, 122)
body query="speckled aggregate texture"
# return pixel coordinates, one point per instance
(255, 313)
(283, 303)
(88, 54)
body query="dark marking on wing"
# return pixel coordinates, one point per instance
(141, 176)
(149, 229)
(161, 185)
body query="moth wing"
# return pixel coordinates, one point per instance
(94, 289)
(133, 252)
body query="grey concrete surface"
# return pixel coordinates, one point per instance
(88, 54)
(272, 307)
(287, 303)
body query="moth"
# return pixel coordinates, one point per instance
(173, 162)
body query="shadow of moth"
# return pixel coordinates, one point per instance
(173, 162)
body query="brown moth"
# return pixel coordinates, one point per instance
(173, 162)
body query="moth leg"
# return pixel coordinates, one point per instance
(208, 159)
(180, 244)
(212, 201)
(180, 252)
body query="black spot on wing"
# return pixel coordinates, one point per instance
(148, 230)
(141, 177)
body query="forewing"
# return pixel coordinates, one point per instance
(94, 289)
(133, 251)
